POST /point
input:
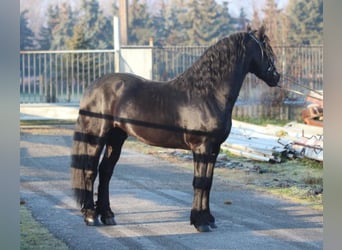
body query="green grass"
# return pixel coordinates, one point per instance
(34, 236)
(300, 180)
(46, 122)
(299, 195)
(262, 121)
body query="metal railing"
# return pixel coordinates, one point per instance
(171, 61)
(302, 63)
(62, 76)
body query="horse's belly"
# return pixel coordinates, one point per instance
(158, 137)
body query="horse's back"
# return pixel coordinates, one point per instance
(108, 89)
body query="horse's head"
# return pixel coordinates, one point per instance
(262, 61)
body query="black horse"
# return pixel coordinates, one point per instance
(192, 111)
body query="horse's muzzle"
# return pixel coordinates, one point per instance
(275, 77)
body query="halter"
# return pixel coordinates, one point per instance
(251, 34)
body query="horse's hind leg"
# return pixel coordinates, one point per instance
(114, 142)
(88, 142)
(85, 157)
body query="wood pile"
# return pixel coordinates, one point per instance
(274, 143)
(313, 114)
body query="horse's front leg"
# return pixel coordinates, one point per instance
(201, 216)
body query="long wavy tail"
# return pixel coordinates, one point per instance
(85, 154)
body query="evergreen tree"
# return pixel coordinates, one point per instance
(160, 25)
(94, 24)
(107, 31)
(53, 34)
(78, 40)
(226, 26)
(62, 26)
(204, 22)
(53, 24)
(115, 8)
(283, 29)
(27, 36)
(139, 24)
(45, 39)
(80, 63)
(242, 20)
(106, 34)
(271, 20)
(193, 23)
(176, 17)
(211, 22)
(256, 21)
(306, 21)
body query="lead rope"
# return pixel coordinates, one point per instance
(301, 85)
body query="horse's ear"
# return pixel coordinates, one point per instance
(249, 28)
(261, 32)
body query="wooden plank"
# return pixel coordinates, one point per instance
(277, 157)
(257, 144)
(310, 147)
(294, 130)
(273, 142)
(248, 155)
(313, 122)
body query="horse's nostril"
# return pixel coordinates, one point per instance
(277, 76)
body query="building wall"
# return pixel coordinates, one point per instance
(136, 60)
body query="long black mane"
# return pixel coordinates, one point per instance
(213, 64)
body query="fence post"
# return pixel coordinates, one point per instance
(116, 43)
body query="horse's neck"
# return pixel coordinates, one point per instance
(229, 90)
(219, 72)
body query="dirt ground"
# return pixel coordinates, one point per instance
(151, 195)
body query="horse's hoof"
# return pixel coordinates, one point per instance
(203, 229)
(212, 225)
(90, 217)
(108, 221)
(91, 221)
(107, 217)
